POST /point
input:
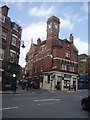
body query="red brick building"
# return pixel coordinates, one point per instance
(82, 64)
(53, 61)
(10, 36)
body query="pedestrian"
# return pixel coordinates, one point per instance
(23, 85)
(27, 86)
(69, 87)
(75, 87)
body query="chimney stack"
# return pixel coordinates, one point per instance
(38, 41)
(71, 38)
(4, 10)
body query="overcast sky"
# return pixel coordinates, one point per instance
(32, 17)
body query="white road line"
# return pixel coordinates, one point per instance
(8, 108)
(24, 98)
(47, 103)
(47, 100)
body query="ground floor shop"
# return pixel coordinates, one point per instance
(59, 81)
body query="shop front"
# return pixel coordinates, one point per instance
(67, 81)
(60, 81)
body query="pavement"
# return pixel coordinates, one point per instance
(32, 92)
(18, 91)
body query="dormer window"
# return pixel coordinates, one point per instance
(2, 18)
(15, 27)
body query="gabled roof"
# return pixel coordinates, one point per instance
(43, 42)
(66, 41)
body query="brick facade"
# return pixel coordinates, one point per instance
(82, 64)
(10, 46)
(53, 57)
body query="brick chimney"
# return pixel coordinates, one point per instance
(71, 38)
(5, 10)
(38, 41)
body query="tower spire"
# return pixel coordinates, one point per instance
(31, 42)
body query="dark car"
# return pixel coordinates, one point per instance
(34, 84)
(85, 103)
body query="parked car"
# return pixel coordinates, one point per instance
(85, 103)
(34, 84)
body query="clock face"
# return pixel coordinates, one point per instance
(49, 25)
(56, 26)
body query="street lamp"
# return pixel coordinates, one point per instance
(14, 75)
(22, 42)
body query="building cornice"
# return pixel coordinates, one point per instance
(58, 58)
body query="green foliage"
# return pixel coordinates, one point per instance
(13, 68)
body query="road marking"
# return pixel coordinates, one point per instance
(8, 108)
(47, 100)
(24, 98)
(47, 103)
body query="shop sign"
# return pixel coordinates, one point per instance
(67, 77)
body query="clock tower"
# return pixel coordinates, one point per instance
(53, 24)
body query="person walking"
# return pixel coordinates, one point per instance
(75, 87)
(69, 87)
(27, 86)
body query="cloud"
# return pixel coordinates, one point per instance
(85, 7)
(42, 11)
(71, 17)
(82, 46)
(67, 24)
(35, 31)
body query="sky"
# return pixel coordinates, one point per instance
(32, 17)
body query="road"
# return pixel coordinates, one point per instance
(44, 104)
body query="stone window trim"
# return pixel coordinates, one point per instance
(1, 54)
(63, 67)
(4, 35)
(14, 40)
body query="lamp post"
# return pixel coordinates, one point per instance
(22, 42)
(13, 67)
(14, 82)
